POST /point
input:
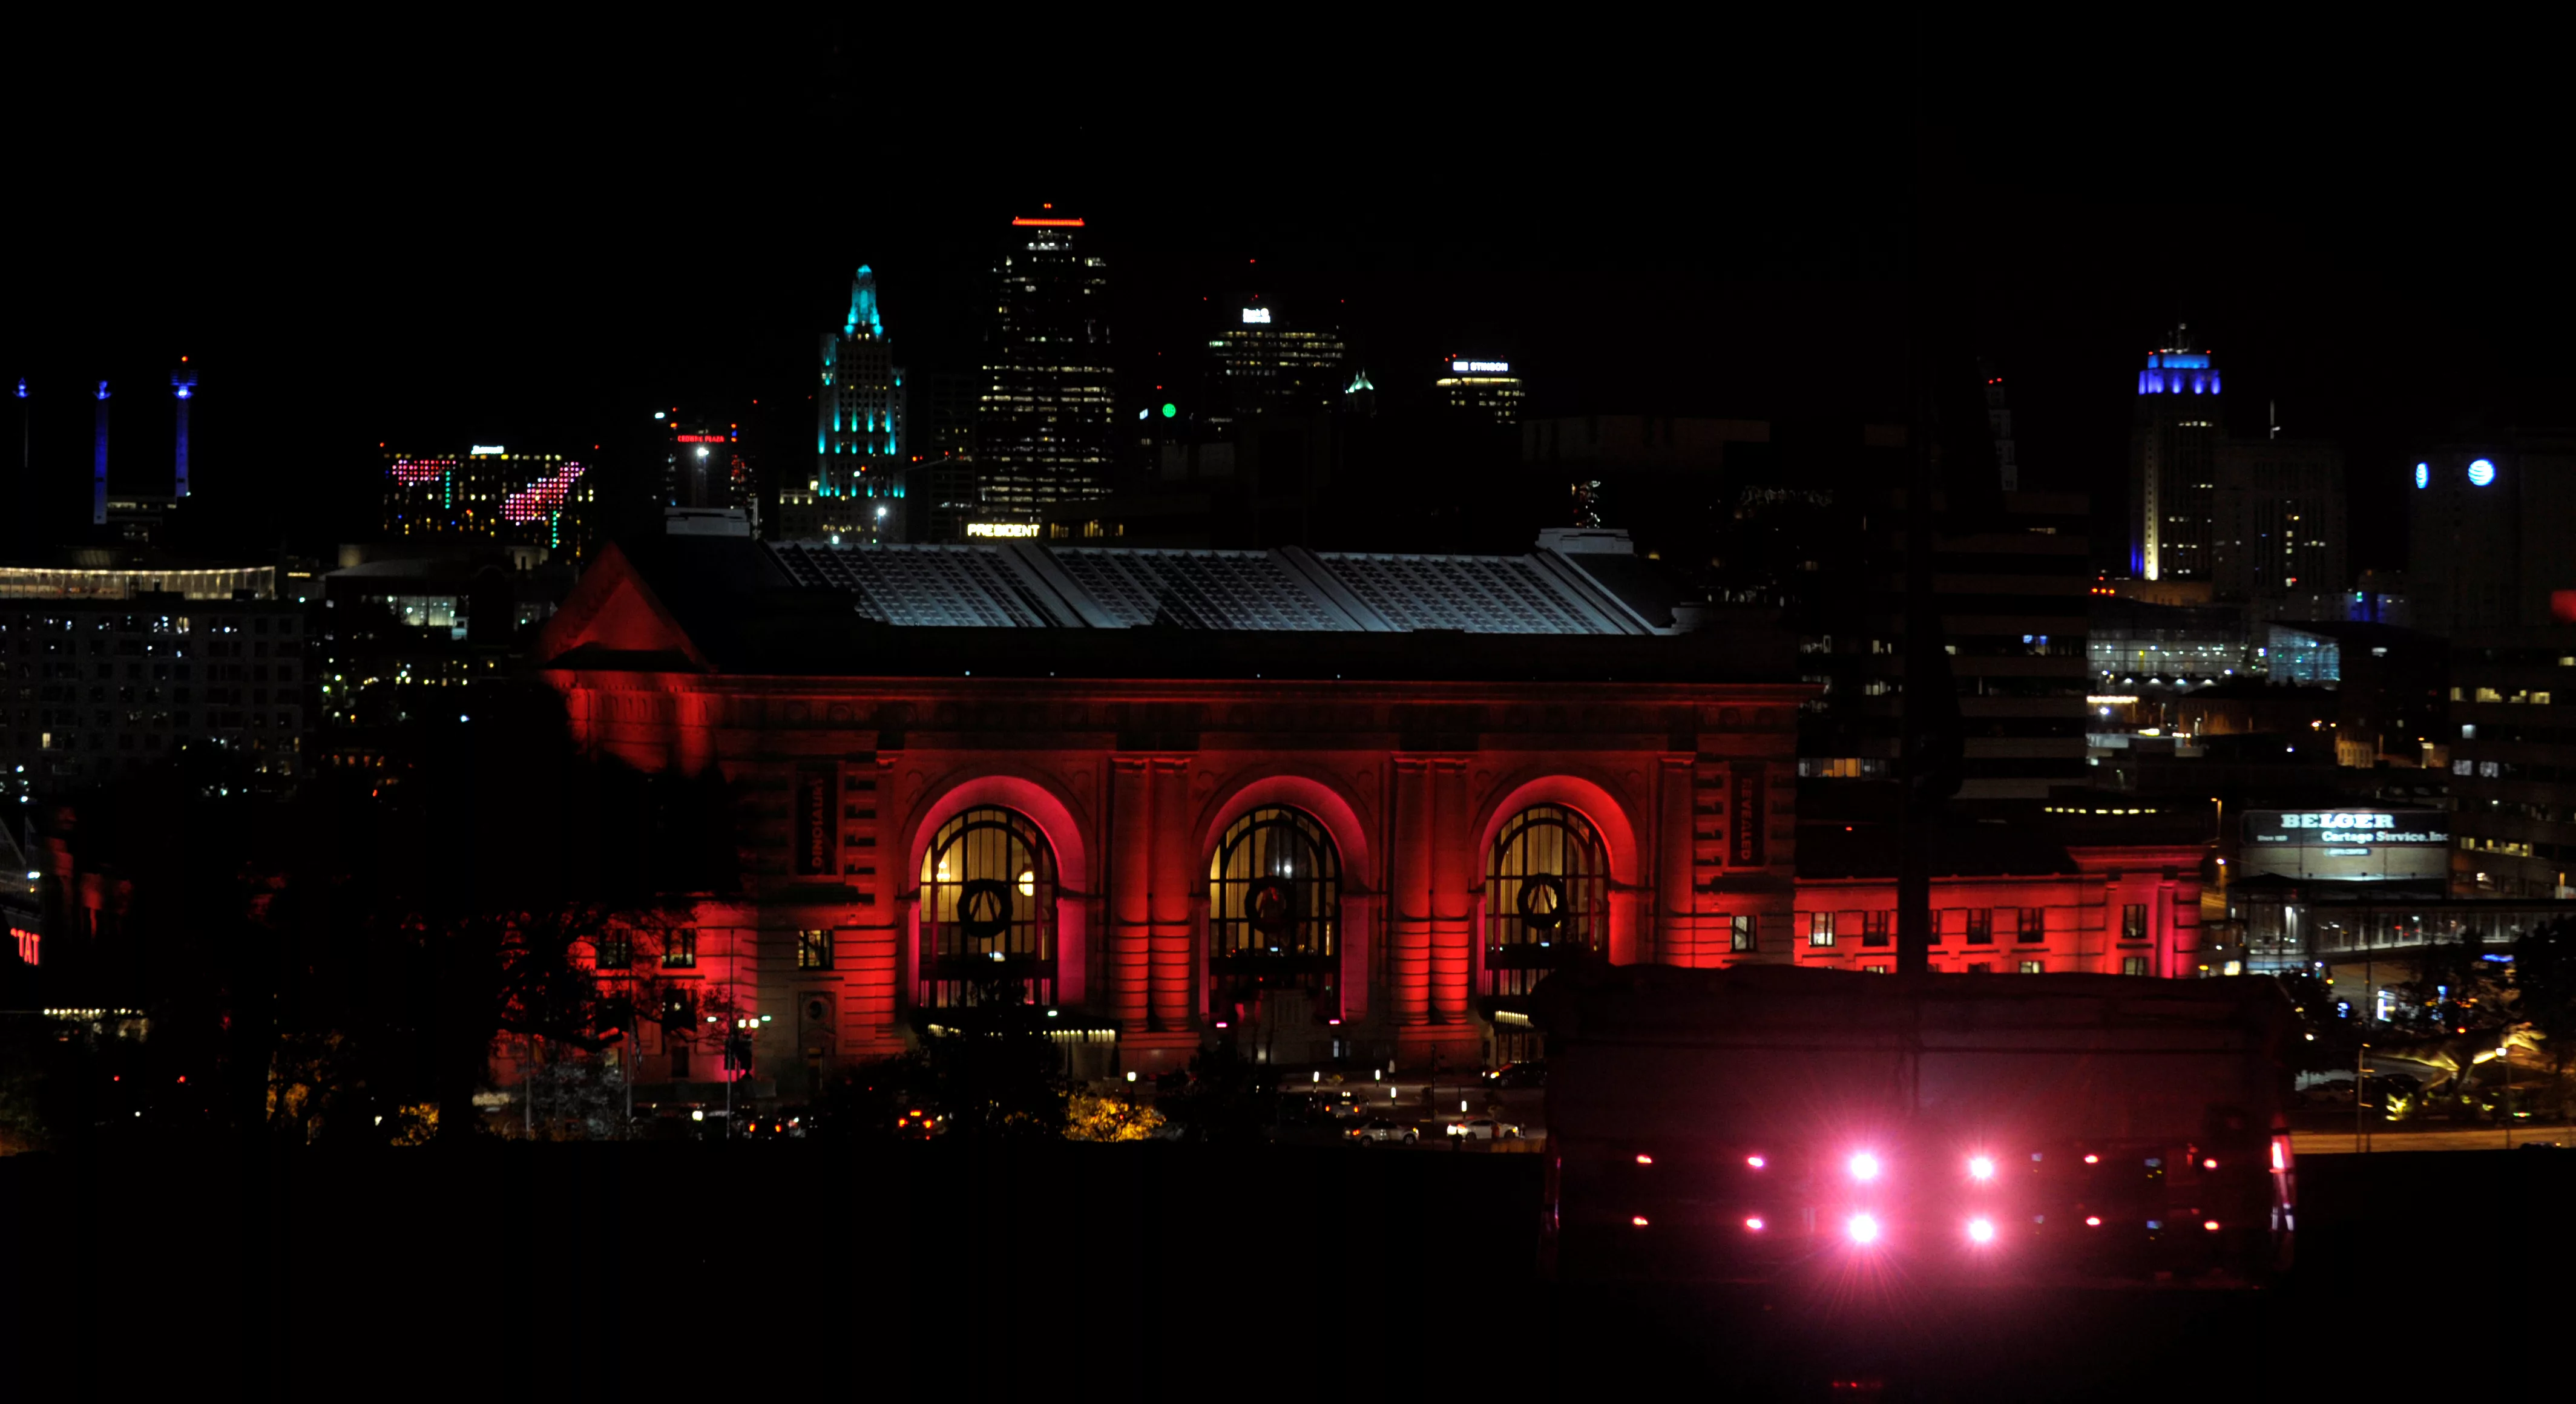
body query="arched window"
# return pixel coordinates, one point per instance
(988, 912)
(1275, 902)
(1547, 897)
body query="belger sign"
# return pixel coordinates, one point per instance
(2338, 826)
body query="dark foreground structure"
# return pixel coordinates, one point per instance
(593, 1271)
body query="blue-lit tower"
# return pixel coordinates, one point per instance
(183, 386)
(2173, 463)
(859, 434)
(98, 465)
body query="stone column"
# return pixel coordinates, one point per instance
(1170, 955)
(1677, 938)
(1454, 861)
(1409, 895)
(1131, 870)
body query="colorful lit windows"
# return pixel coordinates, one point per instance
(813, 950)
(1742, 938)
(680, 949)
(2133, 922)
(1547, 897)
(614, 949)
(2133, 965)
(1820, 928)
(988, 894)
(1274, 901)
(2033, 967)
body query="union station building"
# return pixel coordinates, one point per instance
(1325, 805)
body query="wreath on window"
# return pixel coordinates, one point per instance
(1543, 902)
(984, 908)
(1271, 906)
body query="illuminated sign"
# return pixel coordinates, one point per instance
(484, 448)
(1748, 849)
(1001, 529)
(815, 831)
(2482, 472)
(700, 438)
(1047, 223)
(1481, 367)
(1256, 316)
(2338, 827)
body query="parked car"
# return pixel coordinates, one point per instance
(1530, 1074)
(1484, 1128)
(1379, 1128)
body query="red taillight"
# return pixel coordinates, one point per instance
(1645, 1160)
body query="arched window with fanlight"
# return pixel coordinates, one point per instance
(1547, 897)
(1275, 903)
(988, 891)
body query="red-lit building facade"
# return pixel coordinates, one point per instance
(1319, 804)
(1323, 805)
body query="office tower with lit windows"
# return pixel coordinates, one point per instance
(1045, 432)
(2173, 463)
(707, 467)
(2277, 521)
(1483, 389)
(859, 432)
(492, 493)
(1262, 364)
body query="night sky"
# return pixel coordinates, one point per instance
(494, 237)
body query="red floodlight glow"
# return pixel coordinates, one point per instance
(1754, 1224)
(1981, 1167)
(1755, 1161)
(1981, 1230)
(1863, 1228)
(1864, 1166)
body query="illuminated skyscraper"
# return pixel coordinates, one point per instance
(98, 464)
(1044, 432)
(859, 430)
(706, 464)
(183, 387)
(1481, 388)
(2173, 464)
(1264, 365)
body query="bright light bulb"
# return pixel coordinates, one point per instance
(1981, 1230)
(1754, 1224)
(1981, 1167)
(1862, 1228)
(2092, 1221)
(1864, 1166)
(1755, 1161)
